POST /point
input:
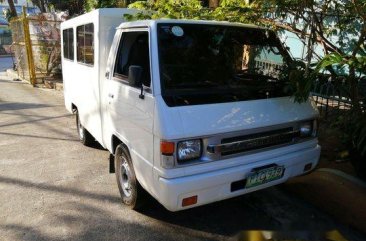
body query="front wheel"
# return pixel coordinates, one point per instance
(133, 195)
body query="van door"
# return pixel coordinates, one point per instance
(129, 115)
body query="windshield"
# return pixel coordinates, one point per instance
(201, 64)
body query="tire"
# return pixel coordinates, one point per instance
(132, 193)
(84, 136)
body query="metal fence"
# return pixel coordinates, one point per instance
(36, 46)
(334, 94)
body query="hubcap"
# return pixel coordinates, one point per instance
(125, 178)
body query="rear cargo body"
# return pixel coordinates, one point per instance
(82, 80)
(190, 138)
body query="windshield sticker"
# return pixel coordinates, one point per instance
(177, 31)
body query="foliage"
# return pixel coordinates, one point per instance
(41, 4)
(299, 83)
(228, 10)
(179, 9)
(93, 4)
(50, 59)
(353, 124)
(74, 7)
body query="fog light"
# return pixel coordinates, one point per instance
(189, 201)
(308, 167)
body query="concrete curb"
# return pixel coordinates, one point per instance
(14, 75)
(344, 175)
(340, 195)
(6, 55)
(55, 85)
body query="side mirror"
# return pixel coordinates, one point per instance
(135, 75)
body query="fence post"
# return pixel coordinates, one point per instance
(28, 46)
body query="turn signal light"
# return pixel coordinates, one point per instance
(167, 148)
(189, 201)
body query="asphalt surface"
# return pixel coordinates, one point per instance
(5, 63)
(54, 188)
(341, 195)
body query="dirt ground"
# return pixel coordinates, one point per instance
(334, 153)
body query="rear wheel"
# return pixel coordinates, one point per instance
(84, 136)
(132, 194)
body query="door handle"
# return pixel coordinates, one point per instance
(107, 74)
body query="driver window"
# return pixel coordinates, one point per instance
(133, 49)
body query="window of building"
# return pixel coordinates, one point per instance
(133, 50)
(85, 43)
(68, 39)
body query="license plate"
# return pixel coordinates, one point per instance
(264, 176)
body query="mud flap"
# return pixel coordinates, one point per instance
(111, 164)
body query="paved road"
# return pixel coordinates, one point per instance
(53, 188)
(5, 63)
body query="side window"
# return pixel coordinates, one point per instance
(85, 43)
(133, 49)
(68, 39)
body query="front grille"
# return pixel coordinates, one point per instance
(256, 141)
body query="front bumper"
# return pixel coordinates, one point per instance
(216, 185)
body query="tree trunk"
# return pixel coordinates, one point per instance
(13, 11)
(213, 3)
(354, 90)
(42, 6)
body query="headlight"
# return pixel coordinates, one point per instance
(305, 130)
(188, 150)
(308, 129)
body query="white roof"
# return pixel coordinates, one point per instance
(149, 23)
(94, 15)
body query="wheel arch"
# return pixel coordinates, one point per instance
(74, 108)
(117, 141)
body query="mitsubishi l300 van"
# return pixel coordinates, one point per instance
(192, 112)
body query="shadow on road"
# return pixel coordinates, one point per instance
(39, 137)
(86, 222)
(15, 81)
(54, 188)
(27, 121)
(268, 209)
(21, 106)
(218, 221)
(227, 217)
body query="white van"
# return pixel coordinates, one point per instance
(192, 112)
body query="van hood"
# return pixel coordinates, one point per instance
(210, 119)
